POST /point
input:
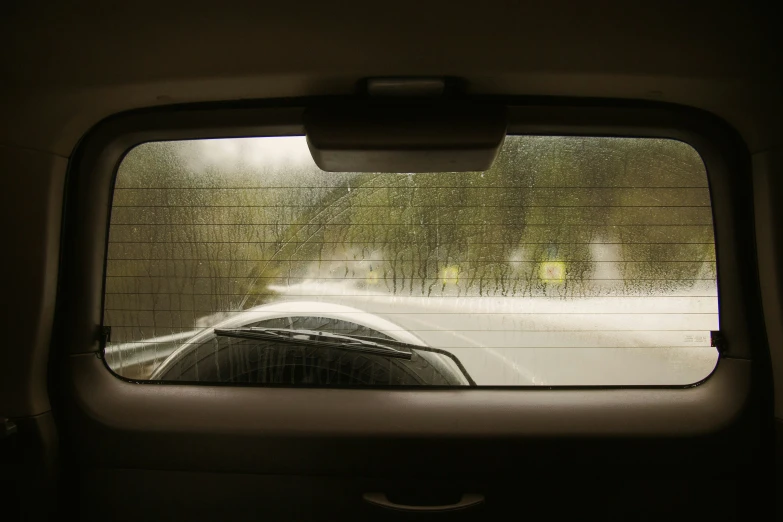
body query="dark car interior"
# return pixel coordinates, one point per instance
(316, 424)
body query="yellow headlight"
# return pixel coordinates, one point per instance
(552, 272)
(450, 275)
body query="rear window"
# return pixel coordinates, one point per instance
(572, 261)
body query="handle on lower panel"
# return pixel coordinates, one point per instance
(468, 500)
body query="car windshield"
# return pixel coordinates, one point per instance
(571, 261)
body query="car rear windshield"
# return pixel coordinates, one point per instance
(571, 261)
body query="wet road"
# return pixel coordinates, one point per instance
(656, 340)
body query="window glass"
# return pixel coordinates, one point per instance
(572, 261)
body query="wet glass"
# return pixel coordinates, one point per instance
(572, 261)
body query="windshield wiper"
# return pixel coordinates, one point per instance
(373, 345)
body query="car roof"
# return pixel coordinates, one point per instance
(102, 64)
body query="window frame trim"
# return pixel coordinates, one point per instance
(93, 169)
